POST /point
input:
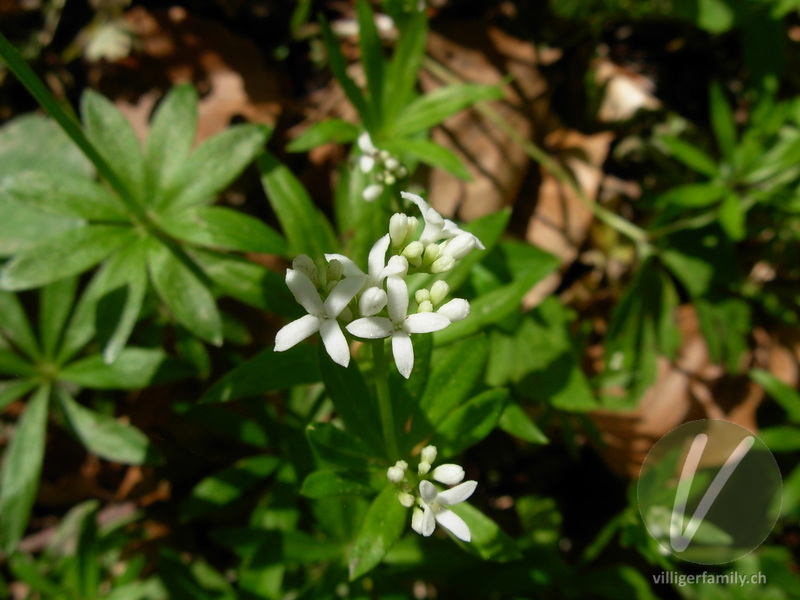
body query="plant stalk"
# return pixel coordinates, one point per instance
(384, 399)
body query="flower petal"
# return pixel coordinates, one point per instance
(365, 143)
(397, 267)
(350, 268)
(403, 352)
(457, 494)
(377, 257)
(295, 332)
(372, 301)
(427, 491)
(449, 474)
(428, 521)
(335, 342)
(425, 322)
(421, 204)
(371, 328)
(372, 192)
(397, 292)
(342, 294)
(417, 518)
(304, 292)
(366, 163)
(455, 310)
(455, 524)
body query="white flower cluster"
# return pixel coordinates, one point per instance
(432, 504)
(386, 167)
(375, 305)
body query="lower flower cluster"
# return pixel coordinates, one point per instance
(432, 505)
(376, 304)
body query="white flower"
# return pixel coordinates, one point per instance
(435, 509)
(399, 325)
(321, 315)
(438, 228)
(377, 269)
(366, 162)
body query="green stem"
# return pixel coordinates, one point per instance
(634, 232)
(384, 399)
(70, 126)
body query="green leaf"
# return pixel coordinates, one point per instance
(403, 69)
(383, 526)
(218, 227)
(328, 131)
(214, 166)
(56, 304)
(225, 486)
(694, 195)
(109, 307)
(186, 296)
(469, 423)
(22, 466)
(16, 366)
(783, 394)
(488, 540)
(326, 483)
(172, 132)
(267, 371)
(338, 448)
(453, 378)
(22, 228)
(732, 217)
(499, 303)
(339, 67)
(434, 107)
(354, 404)
(69, 253)
(371, 55)
(113, 138)
(722, 122)
(781, 438)
(248, 282)
(105, 436)
(35, 142)
(14, 389)
(515, 421)
(14, 325)
(134, 368)
(430, 153)
(691, 156)
(26, 570)
(63, 194)
(306, 229)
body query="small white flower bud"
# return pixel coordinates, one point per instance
(306, 266)
(428, 454)
(372, 301)
(401, 464)
(398, 228)
(448, 474)
(335, 270)
(439, 291)
(459, 246)
(402, 171)
(389, 179)
(431, 253)
(455, 310)
(425, 306)
(413, 251)
(422, 295)
(397, 266)
(411, 229)
(423, 468)
(395, 474)
(392, 163)
(416, 519)
(371, 192)
(365, 143)
(443, 264)
(406, 499)
(366, 163)
(384, 154)
(346, 315)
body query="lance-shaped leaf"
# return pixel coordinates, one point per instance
(469, 423)
(188, 299)
(214, 166)
(135, 368)
(11, 390)
(382, 527)
(338, 65)
(430, 153)
(56, 304)
(488, 540)
(114, 138)
(22, 466)
(324, 132)
(371, 55)
(172, 132)
(223, 228)
(105, 436)
(69, 253)
(14, 325)
(403, 70)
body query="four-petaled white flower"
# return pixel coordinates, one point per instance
(321, 315)
(400, 325)
(434, 509)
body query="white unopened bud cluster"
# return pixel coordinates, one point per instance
(386, 168)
